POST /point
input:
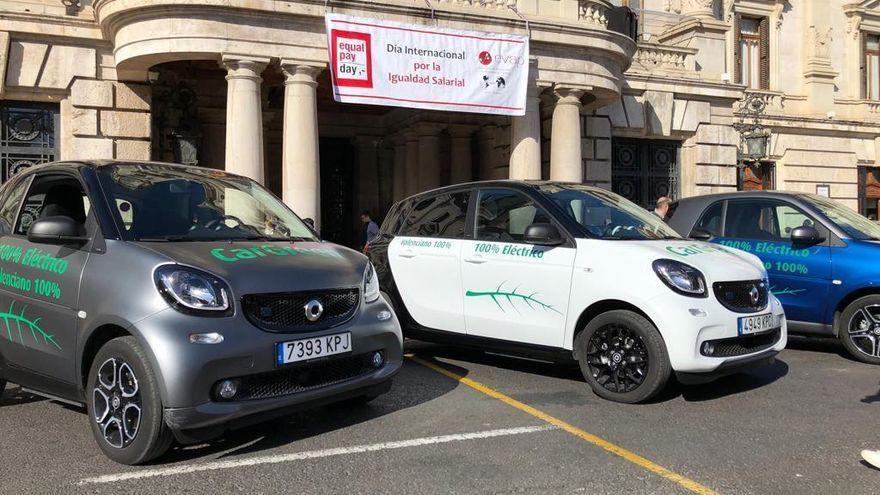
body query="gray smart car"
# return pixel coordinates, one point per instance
(178, 301)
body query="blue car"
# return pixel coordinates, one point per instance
(823, 259)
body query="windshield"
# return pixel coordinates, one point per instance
(606, 215)
(153, 202)
(849, 221)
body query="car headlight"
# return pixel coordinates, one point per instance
(193, 291)
(371, 284)
(680, 277)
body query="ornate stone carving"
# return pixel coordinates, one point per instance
(821, 42)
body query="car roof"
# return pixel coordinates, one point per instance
(99, 163)
(711, 198)
(524, 185)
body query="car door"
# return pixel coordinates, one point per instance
(39, 283)
(514, 291)
(425, 260)
(799, 277)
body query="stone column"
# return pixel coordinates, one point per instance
(525, 136)
(244, 120)
(565, 138)
(367, 174)
(398, 181)
(300, 164)
(429, 156)
(412, 162)
(461, 154)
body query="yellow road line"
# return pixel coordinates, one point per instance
(574, 430)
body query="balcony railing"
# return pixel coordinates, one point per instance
(652, 56)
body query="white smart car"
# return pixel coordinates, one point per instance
(560, 270)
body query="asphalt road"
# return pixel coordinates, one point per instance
(796, 427)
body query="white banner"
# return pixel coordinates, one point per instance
(376, 62)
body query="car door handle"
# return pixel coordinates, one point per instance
(476, 260)
(407, 254)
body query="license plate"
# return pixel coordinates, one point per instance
(305, 349)
(756, 324)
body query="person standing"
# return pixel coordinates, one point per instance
(662, 207)
(371, 230)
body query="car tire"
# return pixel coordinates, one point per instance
(859, 329)
(614, 350)
(124, 405)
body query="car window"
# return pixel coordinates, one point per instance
(503, 215)
(711, 220)
(791, 218)
(393, 221)
(441, 215)
(53, 195)
(9, 208)
(763, 220)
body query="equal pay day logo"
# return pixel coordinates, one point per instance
(352, 59)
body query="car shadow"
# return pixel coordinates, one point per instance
(722, 387)
(415, 385)
(15, 396)
(732, 384)
(827, 345)
(869, 465)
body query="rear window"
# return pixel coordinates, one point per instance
(441, 215)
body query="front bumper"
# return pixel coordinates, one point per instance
(686, 323)
(188, 372)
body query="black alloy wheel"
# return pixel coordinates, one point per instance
(617, 358)
(124, 405)
(859, 329)
(623, 357)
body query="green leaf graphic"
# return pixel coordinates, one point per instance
(20, 320)
(510, 296)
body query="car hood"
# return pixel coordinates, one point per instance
(251, 267)
(718, 263)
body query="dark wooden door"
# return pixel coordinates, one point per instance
(643, 170)
(337, 191)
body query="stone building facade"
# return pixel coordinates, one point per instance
(242, 85)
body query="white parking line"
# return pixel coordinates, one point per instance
(313, 454)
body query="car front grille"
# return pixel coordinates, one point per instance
(739, 346)
(302, 378)
(286, 311)
(742, 297)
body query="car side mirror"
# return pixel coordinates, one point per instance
(701, 235)
(543, 234)
(805, 236)
(59, 230)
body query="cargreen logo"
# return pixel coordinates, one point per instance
(693, 249)
(21, 325)
(511, 297)
(232, 255)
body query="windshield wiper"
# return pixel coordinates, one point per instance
(170, 238)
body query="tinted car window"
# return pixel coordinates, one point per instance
(393, 220)
(711, 220)
(503, 215)
(53, 196)
(9, 208)
(764, 220)
(442, 215)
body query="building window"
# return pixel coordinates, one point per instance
(752, 52)
(872, 66)
(756, 176)
(28, 136)
(869, 192)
